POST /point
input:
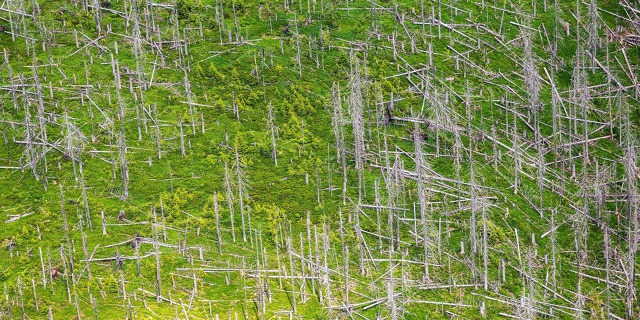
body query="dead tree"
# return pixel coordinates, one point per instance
(593, 40)
(298, 56)
(124, 164)
(182, 149)
(158, 135)
(530, 72)
(554, 252)
(65, 225)
(356, 110)
(229, 192)
(273, 130)
(422, 196)
(243, 190)
(85, 199)
(70, 151)
(473, 222)
(31, 152)
(517, 166)
(86, 255)
(337, 120)
(217, 217)
(632, 213)
(607, 267)
(121, 141)
(234, 104)
(97, 16)
(187, 89)
(137, 44)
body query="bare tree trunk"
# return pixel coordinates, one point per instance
(104, 225)
(242, 191)
(217, 216)
(357, 119)
(86, 255)
(158, 283)
(182, 149)
(422, 197)
(273, 128)
(337, 121)
(228, 185)
(632, 212)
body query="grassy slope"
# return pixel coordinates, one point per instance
(305, 146)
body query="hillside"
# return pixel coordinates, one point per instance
(378, 159)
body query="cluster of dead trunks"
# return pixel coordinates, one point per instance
(624, 36)
(389, 119)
